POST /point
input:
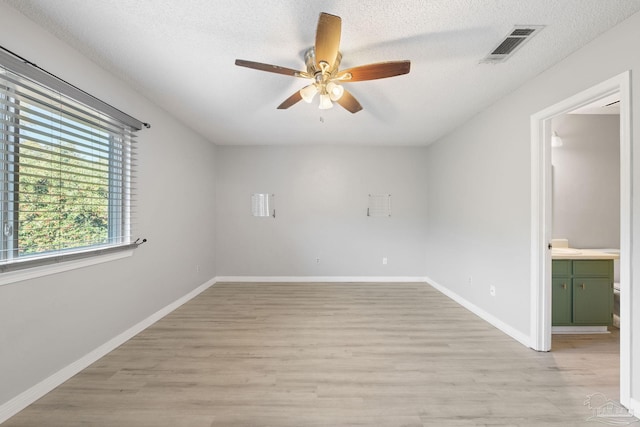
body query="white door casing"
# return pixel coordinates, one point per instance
(541, 221)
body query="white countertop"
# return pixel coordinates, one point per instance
(571, 253)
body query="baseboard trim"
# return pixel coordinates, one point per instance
(491, 319)
(24, 399)
(320, 279)
(569, 330)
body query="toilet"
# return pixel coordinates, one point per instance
(616, 287)
(616, 305)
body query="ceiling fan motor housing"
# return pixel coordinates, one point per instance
(310, 62)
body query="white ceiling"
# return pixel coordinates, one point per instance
(181, 53)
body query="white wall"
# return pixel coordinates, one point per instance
(321, 198)
(586, 180)
(48, 323)
(480, 186)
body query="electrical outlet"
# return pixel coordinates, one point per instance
(492, 290)
(317, 260)
(470, 280)
(384, 260)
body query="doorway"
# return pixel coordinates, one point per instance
(541, 136)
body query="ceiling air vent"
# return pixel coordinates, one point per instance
(517, 37)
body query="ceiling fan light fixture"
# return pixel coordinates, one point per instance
(308, 93)
(335, 91)
(325, 101)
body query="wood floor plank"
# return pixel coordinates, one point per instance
(331, 354)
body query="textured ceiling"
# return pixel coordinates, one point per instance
(181, 53)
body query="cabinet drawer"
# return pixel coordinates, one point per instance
(560, 267)
(592, 268)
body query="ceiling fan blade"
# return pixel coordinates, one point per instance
(271, 68)
(379, 70)
(349, 102)
(327, 39)
(296, 97)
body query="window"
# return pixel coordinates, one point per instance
(379, 205)
(66, 174)
(262, 204)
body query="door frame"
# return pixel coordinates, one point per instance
(541, 218)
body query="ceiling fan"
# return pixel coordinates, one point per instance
(322, 61)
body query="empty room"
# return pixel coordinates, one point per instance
(327, 213)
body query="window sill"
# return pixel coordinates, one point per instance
(10, 277)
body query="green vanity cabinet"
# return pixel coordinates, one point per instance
(582, 292)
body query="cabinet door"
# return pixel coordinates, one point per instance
(592, 301)
(560, 301)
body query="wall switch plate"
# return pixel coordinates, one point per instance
(492, 290)
(384, 260)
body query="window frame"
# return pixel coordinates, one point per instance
(119, 242)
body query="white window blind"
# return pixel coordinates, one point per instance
(67, 174)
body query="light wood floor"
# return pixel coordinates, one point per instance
(326, 354)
